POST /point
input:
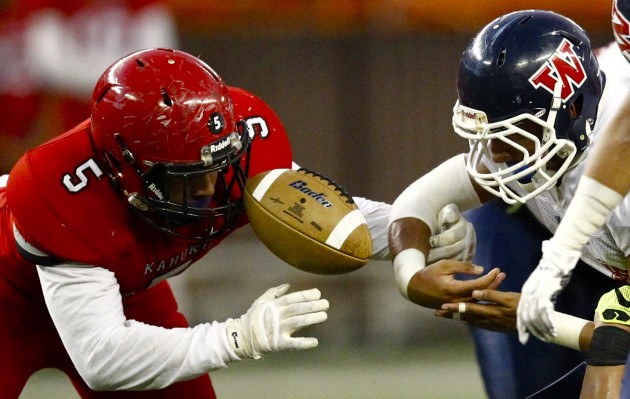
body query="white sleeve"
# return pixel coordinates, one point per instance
(592, 204)
(447, 183)
(377, 216)
(113, 353)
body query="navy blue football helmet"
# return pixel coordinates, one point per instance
(535, 66)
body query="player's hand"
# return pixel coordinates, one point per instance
(437, 283)
(538, 296)
(456, 238)
(273, 318)
(491, 310)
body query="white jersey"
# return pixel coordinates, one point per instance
(377, 217)
(614, 64)
(607, 250)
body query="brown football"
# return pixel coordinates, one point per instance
(308, 221)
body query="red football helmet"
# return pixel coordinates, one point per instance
(163, 121)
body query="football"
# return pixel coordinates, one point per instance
(308, 221)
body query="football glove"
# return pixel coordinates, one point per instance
(539, 293)
(456, 239)
(273, 317)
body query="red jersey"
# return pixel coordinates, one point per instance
(62, 202)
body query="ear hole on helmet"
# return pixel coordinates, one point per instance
(103, 92)
(501, 59)
(126, 154)
(165, 97)
(576, 41)
(575, 110)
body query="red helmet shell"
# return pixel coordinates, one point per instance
(158, 113)
(164, 104)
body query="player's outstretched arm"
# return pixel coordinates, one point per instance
(591, 205)
(605, 182)
(496, 311)
(86, 307)
(412, 223)
(432, 285)
(111, 352)
(454, 240)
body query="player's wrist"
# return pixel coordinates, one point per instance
(407, 263)
(568, 330)
(238, 340)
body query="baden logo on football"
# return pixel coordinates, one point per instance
(319, 197)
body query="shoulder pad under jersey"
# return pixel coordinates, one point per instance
(62, 201)
(271, 148)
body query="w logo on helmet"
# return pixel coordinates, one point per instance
(563, 66)
(621, 29)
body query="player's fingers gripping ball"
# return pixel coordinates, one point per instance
(308, 221)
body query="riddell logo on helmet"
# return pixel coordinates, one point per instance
(319, 197)
(539, 112)
(220, 145)
(469, 115)
(155, 190)
(563, 66)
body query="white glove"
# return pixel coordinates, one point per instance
(456, 239)
(539, 293)
(268, 324)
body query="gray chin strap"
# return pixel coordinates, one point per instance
(536, 181)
